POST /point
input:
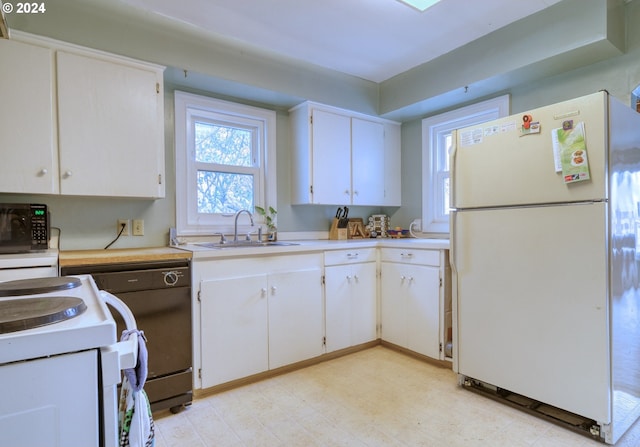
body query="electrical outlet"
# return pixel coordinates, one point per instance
(138, 227)
(124, 222)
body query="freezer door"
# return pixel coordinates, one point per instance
(495, 164)
(530, 293)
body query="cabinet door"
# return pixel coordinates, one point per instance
(367, 162)
(111, 128)
(393, 305)
(363, 303)
(27, 120)
(295, 316)
(421, 286)
(233, 334)
(331, 155)
(338, 307)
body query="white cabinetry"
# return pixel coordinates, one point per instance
(341, 157)
(95, 127)
(256, 314)
(233, 318)
(28, 135)
(413, 300)
(350, 297)
(111, 127)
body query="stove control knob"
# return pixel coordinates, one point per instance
(171, 278)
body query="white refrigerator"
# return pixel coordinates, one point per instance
(545, 253)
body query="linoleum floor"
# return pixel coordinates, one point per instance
(373, 398)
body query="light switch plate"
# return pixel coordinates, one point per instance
(138, 227)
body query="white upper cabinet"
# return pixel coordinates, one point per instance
(342, 157)
(75, 121)
(110, 127)
(367, 162)
(27, 127)
(330, 172)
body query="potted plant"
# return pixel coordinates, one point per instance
(269, 221)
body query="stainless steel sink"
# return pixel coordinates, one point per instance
(241, 244)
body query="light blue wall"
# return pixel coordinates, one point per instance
(89, 223)
(618, 75)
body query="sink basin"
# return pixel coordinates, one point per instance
(241, 244)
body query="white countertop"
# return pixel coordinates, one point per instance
(201, 252)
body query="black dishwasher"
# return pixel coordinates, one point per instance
(159, 295)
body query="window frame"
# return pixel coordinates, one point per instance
(434, 220)
(189, 106)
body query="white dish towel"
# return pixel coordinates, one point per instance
(135, 424)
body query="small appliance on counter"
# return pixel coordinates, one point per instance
(378, 225)
(24, 227)
(25, 242)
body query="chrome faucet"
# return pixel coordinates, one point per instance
(235, 227)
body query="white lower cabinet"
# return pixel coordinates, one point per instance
(350, 305)
(411, 299)
(295, 316)
(256, 315)
(234, 333)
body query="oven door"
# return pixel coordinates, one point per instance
(58, 395)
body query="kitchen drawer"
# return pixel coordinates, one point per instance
(411, 256)
(337, 257)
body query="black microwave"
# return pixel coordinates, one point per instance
(24, 227)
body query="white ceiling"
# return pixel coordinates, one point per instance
(370, 39)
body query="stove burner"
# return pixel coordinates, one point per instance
(33, 286)
(28, 313)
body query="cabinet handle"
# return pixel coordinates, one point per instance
(42, 172)
(352, 255)
(349, 279)
(355, 277)
(406, 255)
(274, 289)
(355, 193)
(346, 191)
(68, 174)
(402, 278)
(263, 292)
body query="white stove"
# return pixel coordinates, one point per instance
(29, 265)
(59, 376)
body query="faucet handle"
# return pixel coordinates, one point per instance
(223, 239)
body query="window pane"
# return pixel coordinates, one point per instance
(444, 142)
(445, 196)
(221, 192)
(223, 145)
(448, 142)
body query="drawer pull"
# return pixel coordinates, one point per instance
(352, 255)
(406, 255)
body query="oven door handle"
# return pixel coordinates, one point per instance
(121, 307)
(115, 358)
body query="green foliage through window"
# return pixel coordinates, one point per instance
(223, 148)
(223, 145)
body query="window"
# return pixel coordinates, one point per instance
(437, 141)
(225, 162)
